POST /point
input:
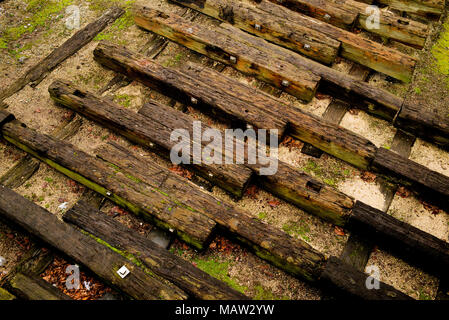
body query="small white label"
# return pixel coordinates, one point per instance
(123, 272)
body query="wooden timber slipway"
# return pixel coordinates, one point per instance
(288, 54)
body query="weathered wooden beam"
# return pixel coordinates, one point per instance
(346, 279)
(186, 87)
(5, 117)
(219, 46)
(84, 249)
(309, 194)
(243, 103)
(154, 131)
(35, 288)
(27, 166)
(245, 16)
(353, 47)
(82, 37)
(391, 26)
(403, 239)
(160, 261)
(420, 7)
(365, 96)
(426, 125)
(430, 184)
(140, 198)
(267, 242)
(5, 295)
(338, 15)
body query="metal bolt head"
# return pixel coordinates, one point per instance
(193, 100)
(257, 26)
(233, 59)
(285, 83)
(327, 16)
(108, 194)
(307, 46)
(210, 174)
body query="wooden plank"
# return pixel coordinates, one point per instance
(241, 102)
(350, 281)
(27, 166)
(35, 288)
(245, 16)
(340, 16)
(147, 131)
(391, 26)
(430, 184)
(353, 47)
(336, 110)
(82, 37)
(266, 241)
(249, 60)
(182, 273)
(404, 240)
(183, 87)
(5, 295)
(373, 100)
(87, 251)
(140, 198)
(426, 125)
(309, 194)
(288, 183)
(420, 7)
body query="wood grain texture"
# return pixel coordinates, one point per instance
(87, 251)
(35, 288)
(266, 241)
(430, 184)
(150, 131)
(140, 198)
(245, 16)
(160, 261)
(403, 239)
(353, 47)
(420, 7)
(344, 278)
(253, 61)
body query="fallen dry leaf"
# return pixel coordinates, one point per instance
(274, 203)
(368, 176)
(339, 231)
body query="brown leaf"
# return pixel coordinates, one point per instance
(368, 176)
(339, 231)
(403, 192)
(274, 203)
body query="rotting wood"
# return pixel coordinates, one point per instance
(35, 288)
(391, 26)
(432, 185)
(267, 242)
(243, 103)
(353, 282)
(353, 47)
(336, 110)
(147, 131)
(140, 198)
(404, 240)
(160, 261)
(5, 295)
(340, 16)
(250, 60)
(27, 166)
(426, 125)
(186, 87)
(84, 249)
(245, 16)
(82, 37)
(420, 7)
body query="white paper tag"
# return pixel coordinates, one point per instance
(123, 272)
